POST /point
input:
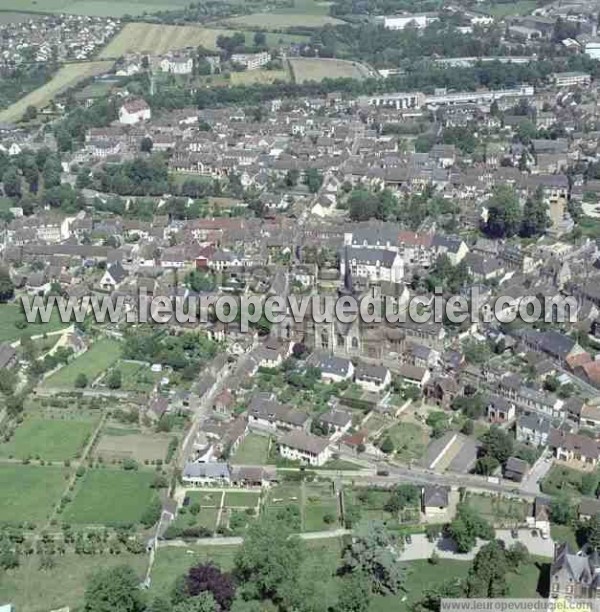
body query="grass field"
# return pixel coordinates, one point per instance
(275, 21)
(254, 450)
(68, 76)
(102, 354)
(315, 69)
(562, 479)
(504, 9)
(261, 77)
(242, 499)
(31, 589)
(137, 377)
(110, 497)
(410, 440)
(11, 314)
(94, 8)
(172, 562)
(158, 39)
(48, 439)
(29, 492)
(499, 511)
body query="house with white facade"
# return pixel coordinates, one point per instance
(134, 111)
(300, 446)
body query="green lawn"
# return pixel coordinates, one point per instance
(254, 450)
(207, 517)
(110, 497)
(172, 562)
(48, 439)
(95, 8)
(421, 576)
(410, 440)
(499, 510)
(33, 590)
(242, 499)
(504, 9)
(137, 376)
(29, 492)
(316, 513)
(560, 479)
(207, 499)
(102, 354)
(564, 533)
(12, 313)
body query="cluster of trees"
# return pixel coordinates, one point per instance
(467, 526)
(271, 569)
(142, 176)
(507, 219)
(20, 80)
(185, 353)
(497, 447)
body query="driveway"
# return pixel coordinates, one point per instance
(537, 473)
(421, 548)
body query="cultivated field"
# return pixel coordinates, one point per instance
(29, 492)
(48, 439)
(276, 21)
(94, 8)
(316, 69)
(261, 77)
(120, 443)
(68, 76)
(157, 39)
(110, 497)
(92, 363)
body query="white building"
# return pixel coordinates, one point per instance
(570, 79)
(415, 20)
(134, 111)
(299, 446)
(376, 265)
(375, 378)
(252, 61)
(176, 64)
(592, 48)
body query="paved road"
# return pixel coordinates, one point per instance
(421, 548)
(419, 475)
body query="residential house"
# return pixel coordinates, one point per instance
(533, 429)
(515, 469)
(134, 111)
(578, 450)
(435, 500)
(499, 410)
(335, 421)
(299, 446)
(375, 378)
(206, 474)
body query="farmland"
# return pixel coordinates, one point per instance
(68, 76)
(110, 497)
(29, 492)
(313, 69)
(260, 77)
(157, 39)
(281, 21)
(93, 362)
(48, 439)
(117, 444)
(94, 8)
